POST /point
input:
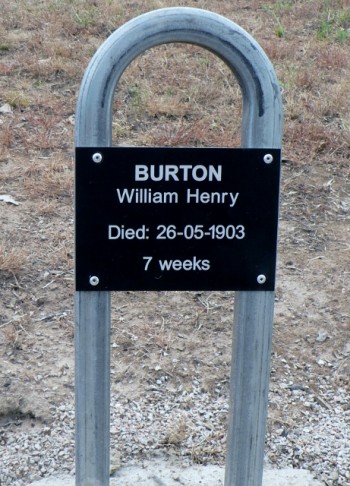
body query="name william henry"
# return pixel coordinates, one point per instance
(147, 196)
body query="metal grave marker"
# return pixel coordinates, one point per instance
(177, 218)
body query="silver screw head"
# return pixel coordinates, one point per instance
(94, 281)
(268, 158)
(97, 157)
(261, 279)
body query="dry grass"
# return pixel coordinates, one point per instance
(12, 260)
(162, 108)
(45, 47)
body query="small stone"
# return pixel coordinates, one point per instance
(6, 108)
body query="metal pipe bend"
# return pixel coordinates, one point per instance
(262, 107)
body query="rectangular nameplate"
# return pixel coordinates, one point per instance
(159, 218)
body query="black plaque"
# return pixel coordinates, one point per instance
(154, 218)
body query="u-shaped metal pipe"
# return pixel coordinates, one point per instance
(262, 107)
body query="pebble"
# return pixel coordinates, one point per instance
(190, 424)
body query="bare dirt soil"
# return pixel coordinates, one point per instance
(172, 95)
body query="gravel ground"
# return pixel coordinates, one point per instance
(186, 426)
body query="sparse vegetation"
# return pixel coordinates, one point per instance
(174, 95)
(335, 21)
(12, 260)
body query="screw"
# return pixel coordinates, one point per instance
(94, 281)
(261, 279)
(97, 158)
(268, 158)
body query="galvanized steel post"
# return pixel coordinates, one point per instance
(262, 128)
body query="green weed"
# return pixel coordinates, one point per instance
(342, 35)
(334, 24)
(324, 30)
(280, 31)
(85, 17)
